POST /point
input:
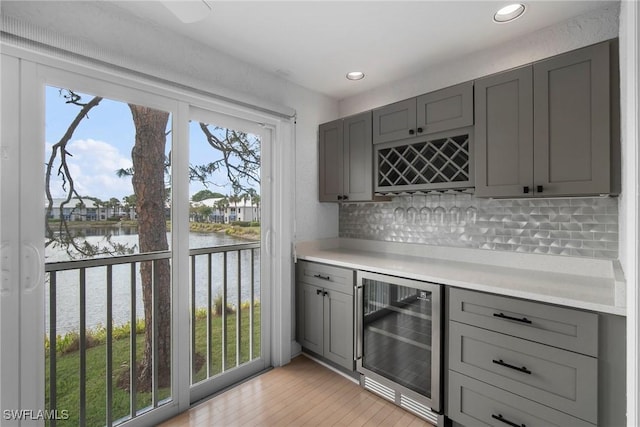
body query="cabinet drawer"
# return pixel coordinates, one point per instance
(474, 403)
(557, 326)
(557, 378)
(325, 276)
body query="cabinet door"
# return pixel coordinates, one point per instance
(310, 317)
(445, 109)
(330, 168)
(358, 158)
(504, 134)
(338, 328)
(572, 127)
(395, 121)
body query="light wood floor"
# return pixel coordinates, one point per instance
(302, 393)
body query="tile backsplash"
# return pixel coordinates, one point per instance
(583, 227)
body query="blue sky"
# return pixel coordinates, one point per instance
(102, 144)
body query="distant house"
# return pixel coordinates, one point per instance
(86, 210)
(245, 210)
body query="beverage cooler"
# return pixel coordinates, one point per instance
(399, 342)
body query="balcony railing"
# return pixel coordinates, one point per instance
(225, 333)
(224, 305)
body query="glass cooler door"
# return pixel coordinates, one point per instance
(400, 332)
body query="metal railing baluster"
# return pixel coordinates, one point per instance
(224, 313)
(209, 316)
(251, 299)
(238, 308)
(52, 346)
(83, 346)
(193, 319)
(154, 323)
(109, 408)
(133, 331)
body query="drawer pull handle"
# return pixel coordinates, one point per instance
(506, 365)
(320, 276)
(504, 316)
(499, 417)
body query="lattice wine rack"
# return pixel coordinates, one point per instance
(434, 164)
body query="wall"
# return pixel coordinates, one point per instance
(584, 30)
(103, 31)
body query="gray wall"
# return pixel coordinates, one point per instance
(583, 227)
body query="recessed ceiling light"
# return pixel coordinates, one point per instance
(509, 13)
(355, 75)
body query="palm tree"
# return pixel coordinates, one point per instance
(220, 206)
(114, 203)
(256, 201)
(235, 198)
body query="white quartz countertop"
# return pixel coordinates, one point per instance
(587, 284)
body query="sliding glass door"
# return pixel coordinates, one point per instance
(133, 276)
(229, 314)
(108, 282)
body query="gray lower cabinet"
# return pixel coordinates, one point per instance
(545, 129)
(550, 376)
(518, 362)
(433, 112)
(325, 311)
(346, 159)
(474, 403)
(561, 327)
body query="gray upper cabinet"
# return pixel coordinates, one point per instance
(438, 111)
(395, 121)
(358, 158)
(330, 161)
(544, 130)
(445, 109)
(572, 123)
(346, 159)
(504, 134)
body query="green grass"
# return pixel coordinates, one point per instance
(250, 232)
(68, 366)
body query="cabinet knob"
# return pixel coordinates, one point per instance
(318, 291)
(345, 197)
(412, 132)
(419, 130)
(525, 189)
(339, 197)
(539, 188)
(325, 293)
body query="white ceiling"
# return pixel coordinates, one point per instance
(315, 43)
